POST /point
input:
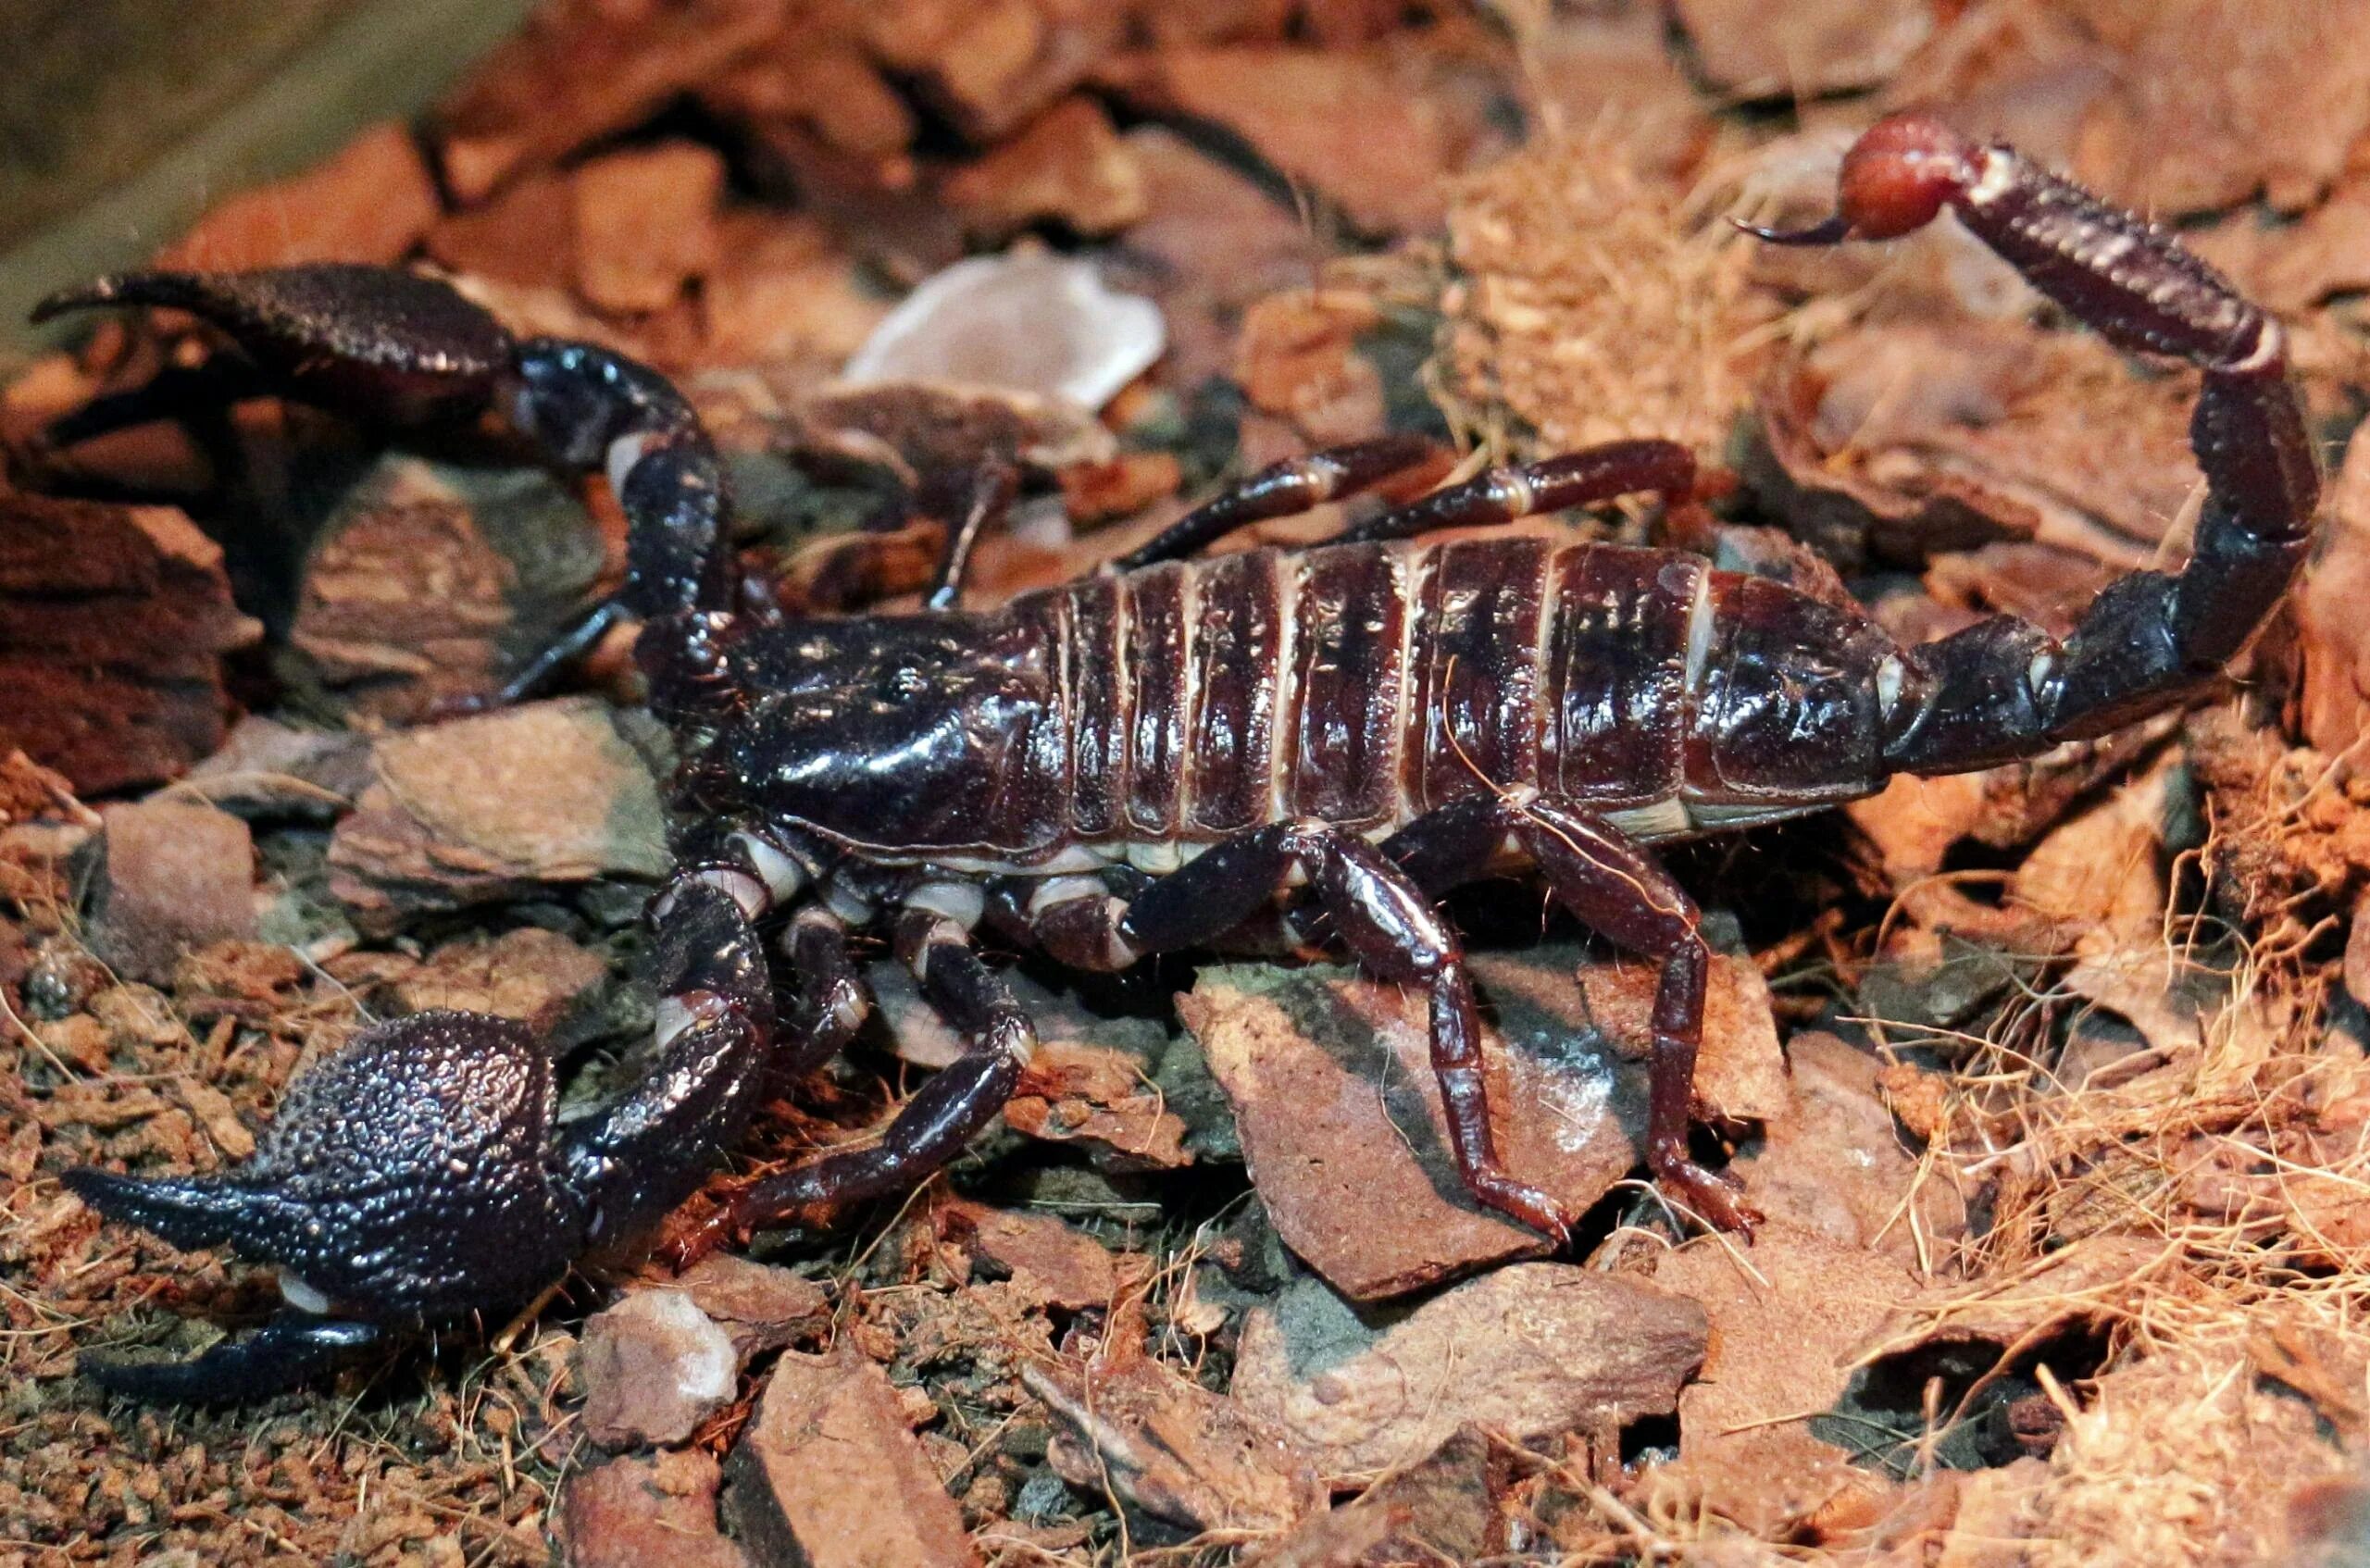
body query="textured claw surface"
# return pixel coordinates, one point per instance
(405, 1176)
(372, 334)
(293, 1348)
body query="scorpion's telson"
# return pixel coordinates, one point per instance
(1146, 760)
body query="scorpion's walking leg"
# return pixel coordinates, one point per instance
(1574, 478)
(2003, 689)
(1390, 927)
(1617, 887)
(940, 1118)
(1282, 489)
(831, 1001)
(987, 501)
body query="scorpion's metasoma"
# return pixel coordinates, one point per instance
(1145, 760)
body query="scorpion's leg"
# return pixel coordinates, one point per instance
(1388, 924)
(1574, 478)
(832, 1000)
(941, 1117)
(2003, 689)
(1617, 887)
(1280, 490)
(986, 504)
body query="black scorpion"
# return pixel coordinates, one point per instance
(1143, 761)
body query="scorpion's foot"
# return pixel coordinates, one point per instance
(369, 340)
(1524, 1203)
(407, 1180)
(1714, 1197)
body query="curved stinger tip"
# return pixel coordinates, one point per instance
(1833, 231)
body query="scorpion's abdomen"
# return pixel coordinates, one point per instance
(1366, 685)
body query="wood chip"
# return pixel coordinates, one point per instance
(113, 624)
(1532, 1351)
(369, 202)
(1784, 1338)
(1801, 48)
(645, 224)
(826, 1475)
(1340, 1115)
(1046, 1259)
(543, 794)
(1422, 113)
(1068, 164)
(1172, 1448)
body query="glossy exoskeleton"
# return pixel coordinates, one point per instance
(1143, 761)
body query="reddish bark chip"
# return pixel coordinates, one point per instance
(537, 977)
(646, 1510)
(761, 1307)
(525, 237)
(653, 1366)
(1802, 49)
(178, 875)
(553, 87)
(1532, 1351)
(1420, 113)
(826, 1475)
(783, 291)
(1783, 1344)
(369, 202)
(113, 625)
(1070, 164)
(1046, 1259)
(1445, 1507)
(645, 224)
(1172, 1448)
(1333, 1092)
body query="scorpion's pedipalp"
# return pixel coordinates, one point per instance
(594, 408)
(189, 1213)
(371, 341)
(650, 1147)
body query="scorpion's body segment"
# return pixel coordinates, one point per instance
(1143, 761)
(1156, 713)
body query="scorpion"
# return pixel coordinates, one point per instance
(1150, 758)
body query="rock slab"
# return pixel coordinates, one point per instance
(1531, 1350)
(827, 1475)
(177, 877)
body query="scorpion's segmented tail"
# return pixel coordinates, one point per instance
(2003, 688)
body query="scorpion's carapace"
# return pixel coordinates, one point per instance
(1144, 760)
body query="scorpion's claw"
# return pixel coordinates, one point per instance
(408, 1178)
(294, 1348)
(368, 339)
